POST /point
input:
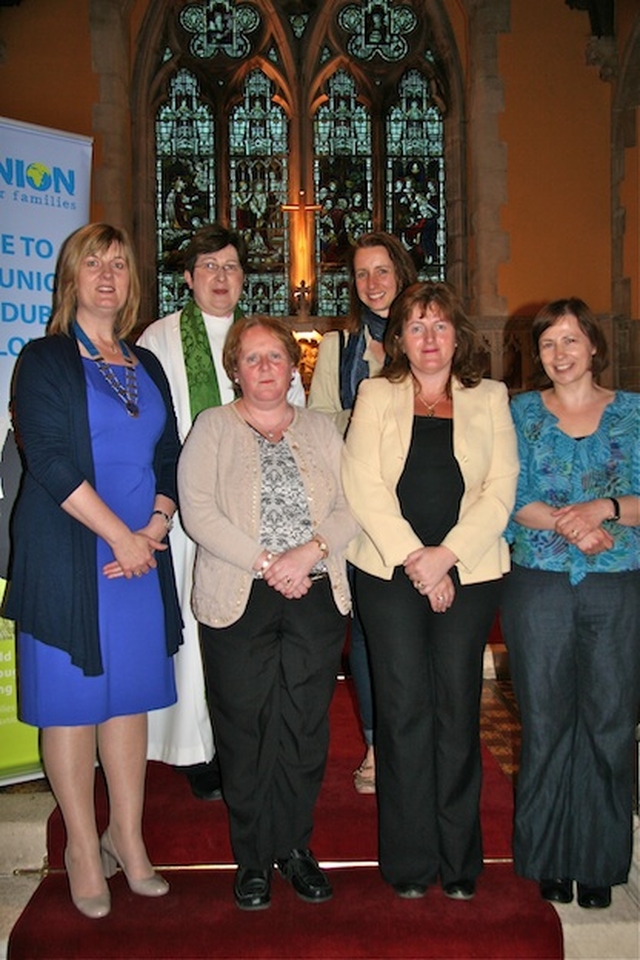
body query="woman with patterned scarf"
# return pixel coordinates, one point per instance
(379, 269)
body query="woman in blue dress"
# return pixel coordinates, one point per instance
(571, 613)
(91, 583)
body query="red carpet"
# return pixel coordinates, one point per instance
(198, 918)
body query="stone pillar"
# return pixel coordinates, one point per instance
(111, 115)
(488, 156)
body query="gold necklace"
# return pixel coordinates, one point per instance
(268, 434)
(430, 407)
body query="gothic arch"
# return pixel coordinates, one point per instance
(148, 90)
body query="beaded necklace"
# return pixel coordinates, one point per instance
(129, 393)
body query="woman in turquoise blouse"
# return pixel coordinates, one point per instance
(571, 613)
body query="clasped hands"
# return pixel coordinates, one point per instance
(134, 555)
(428, 569)
(579, 524)
(288, 572)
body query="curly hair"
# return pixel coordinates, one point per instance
(468, 361)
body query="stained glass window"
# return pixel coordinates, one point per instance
(343, 186)
(185, 181)
(220, 26)
(377, 28)
(258, 182)
(415, 176)
(369, 153)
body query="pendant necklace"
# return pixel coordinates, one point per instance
(269, 434)
(129, 393)
(430, 407)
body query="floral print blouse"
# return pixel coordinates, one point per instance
(558, 470)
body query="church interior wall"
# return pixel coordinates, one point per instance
(629, 193)
(554, 129)
(46, 75)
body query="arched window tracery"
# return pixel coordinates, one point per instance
(338, 113)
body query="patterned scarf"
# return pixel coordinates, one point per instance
(204, 390)
(353, 368)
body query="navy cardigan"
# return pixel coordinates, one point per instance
(53, 580)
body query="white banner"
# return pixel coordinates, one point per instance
(45, 188)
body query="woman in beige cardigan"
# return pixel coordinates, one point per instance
(260, 493)
(430, 469)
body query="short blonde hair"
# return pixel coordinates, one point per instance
(92, 238)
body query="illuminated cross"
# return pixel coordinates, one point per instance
(302, 206)
(301, 246)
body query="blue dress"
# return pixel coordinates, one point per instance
(138, 673)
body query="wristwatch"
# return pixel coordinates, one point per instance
(616, 510)
(167, 519)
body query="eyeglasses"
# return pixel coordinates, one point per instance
(211, 266)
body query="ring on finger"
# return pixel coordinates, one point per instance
(440, 598)
(419, 584)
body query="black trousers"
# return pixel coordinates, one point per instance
(427, 680)
(270, 678)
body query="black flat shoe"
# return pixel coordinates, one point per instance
(204, 780)
(557, 890)
(301, 870)
(252, 888)
(410, 891)
(594, 898)
(460, 889)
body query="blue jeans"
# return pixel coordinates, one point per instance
(574, 656)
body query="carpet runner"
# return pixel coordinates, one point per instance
(198, 919)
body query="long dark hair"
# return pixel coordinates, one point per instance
(403, 266)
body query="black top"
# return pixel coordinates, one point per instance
(431, 486)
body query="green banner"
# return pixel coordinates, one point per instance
(19, 753)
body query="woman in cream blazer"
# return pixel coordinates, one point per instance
(429, 469)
